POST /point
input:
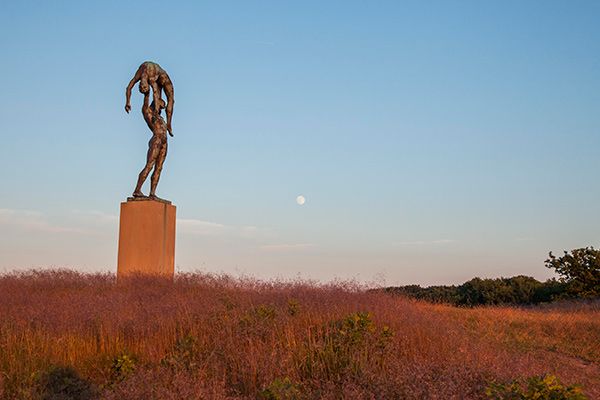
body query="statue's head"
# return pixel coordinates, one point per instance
(144, 87)
(161, 104)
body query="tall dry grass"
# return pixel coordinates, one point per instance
(208, 336)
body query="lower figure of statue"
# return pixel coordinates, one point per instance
(157, 147)
(157, 152)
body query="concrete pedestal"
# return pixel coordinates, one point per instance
(146, 238)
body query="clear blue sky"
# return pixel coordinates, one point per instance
(433, 141)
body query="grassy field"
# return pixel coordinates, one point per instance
(215, 337)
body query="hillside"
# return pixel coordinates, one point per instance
(208, 336)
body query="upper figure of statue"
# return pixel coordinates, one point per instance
(150, 74)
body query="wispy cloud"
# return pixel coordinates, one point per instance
(208, 228)
(424, 242)
(96, 216)
(96, 222)
(34, 221)
(286, 247)
(199, 227)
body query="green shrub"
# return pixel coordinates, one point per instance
(354, 328)
(343, 347)
(258, 321)
(545, 387)
(258, 315)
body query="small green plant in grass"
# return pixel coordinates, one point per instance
(184, 354)
(122, 366)
(227, 303)
(344, 347)
(281, 389)
(293, 307)
(385, 337)
(260, 314)
(355, 327)
(64, 383)
(265, 312)
(545, 387)
(258, 320)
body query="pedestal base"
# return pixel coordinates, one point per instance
(146, 239)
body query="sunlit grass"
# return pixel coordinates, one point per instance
(209, 336)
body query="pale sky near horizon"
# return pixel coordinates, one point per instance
(433, 141)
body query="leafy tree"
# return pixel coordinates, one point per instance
(523, 289)
(580, 270)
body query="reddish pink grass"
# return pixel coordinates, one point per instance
(249, 334)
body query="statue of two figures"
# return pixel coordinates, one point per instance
(151, 75)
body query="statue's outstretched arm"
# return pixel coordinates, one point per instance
(132, 82)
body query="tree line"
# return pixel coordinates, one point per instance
(579, 277)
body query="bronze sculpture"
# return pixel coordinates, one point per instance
(150, 74)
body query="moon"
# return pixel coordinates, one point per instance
(300, 200)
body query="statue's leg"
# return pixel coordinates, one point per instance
(160, 159)
(153, 151)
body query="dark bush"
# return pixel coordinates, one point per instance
(518, 290)
(64, 383)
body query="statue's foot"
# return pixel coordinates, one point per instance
(155, 197)
(138, 193)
